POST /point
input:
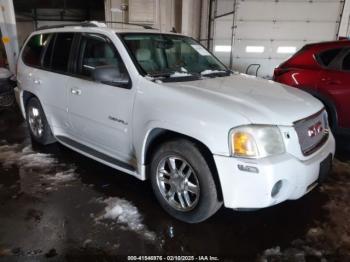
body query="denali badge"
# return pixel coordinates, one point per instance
(117, 120)
(315, 129)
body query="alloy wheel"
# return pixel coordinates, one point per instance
(178, 183)
(35, 121)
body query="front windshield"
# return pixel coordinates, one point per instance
(171, 55)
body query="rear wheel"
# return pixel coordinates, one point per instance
(183, 183)
(39, 128)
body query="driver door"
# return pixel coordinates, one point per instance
(100, 114)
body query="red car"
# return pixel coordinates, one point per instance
(323, 70)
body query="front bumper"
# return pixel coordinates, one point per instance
(243, 189)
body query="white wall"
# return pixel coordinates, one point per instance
(191, 17)
(23, 31)
(271, 24)
(160, 14)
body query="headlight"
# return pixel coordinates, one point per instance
(256, 141)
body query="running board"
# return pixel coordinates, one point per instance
(98, 156)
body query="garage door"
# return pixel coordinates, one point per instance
(263, 33)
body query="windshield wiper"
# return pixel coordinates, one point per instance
(161, 74)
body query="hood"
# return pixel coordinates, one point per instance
(258, 100)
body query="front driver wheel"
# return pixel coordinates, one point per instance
(183, 183)
(39, 128)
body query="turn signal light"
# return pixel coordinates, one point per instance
(244, 145)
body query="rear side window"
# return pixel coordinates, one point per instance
(326, 57)
(34, 48)
(61, 52)
(346, 63)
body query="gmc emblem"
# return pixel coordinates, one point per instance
(315, 129)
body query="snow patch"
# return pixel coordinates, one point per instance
(36, 160)
(295, 253)
(8, 155)
(48, 167)
(179, 74)
(26, 158)
(276, 251)
(124, 213)
(63, 177)
(209, 71)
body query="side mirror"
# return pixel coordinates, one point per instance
(111, 75)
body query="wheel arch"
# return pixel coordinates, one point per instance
(26, 97)
(157, 136)
(329, 105)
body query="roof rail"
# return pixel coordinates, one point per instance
(95, 24)
(82, 24)
(125, 23)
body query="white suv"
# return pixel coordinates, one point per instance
(162, 107)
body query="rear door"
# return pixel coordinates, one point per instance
(335, 83)
(100, 114)
(53, 80)
(47, 57)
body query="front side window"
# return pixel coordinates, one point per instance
(171, 55)
(97, 51)
(33, 50)
(61, 52)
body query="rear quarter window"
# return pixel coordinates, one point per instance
(34, 48)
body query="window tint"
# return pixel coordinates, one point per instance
(61, 51)
(95, 51)
(48, 52)
(328, 56)
(33, 50)
(346, 62)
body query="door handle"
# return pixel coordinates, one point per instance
(75, 91)
(37, 81)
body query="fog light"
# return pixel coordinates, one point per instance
(276, 188)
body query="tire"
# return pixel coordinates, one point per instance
(38, 126)
(7, 100)
(178, 167)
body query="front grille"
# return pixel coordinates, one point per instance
(312, 132)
